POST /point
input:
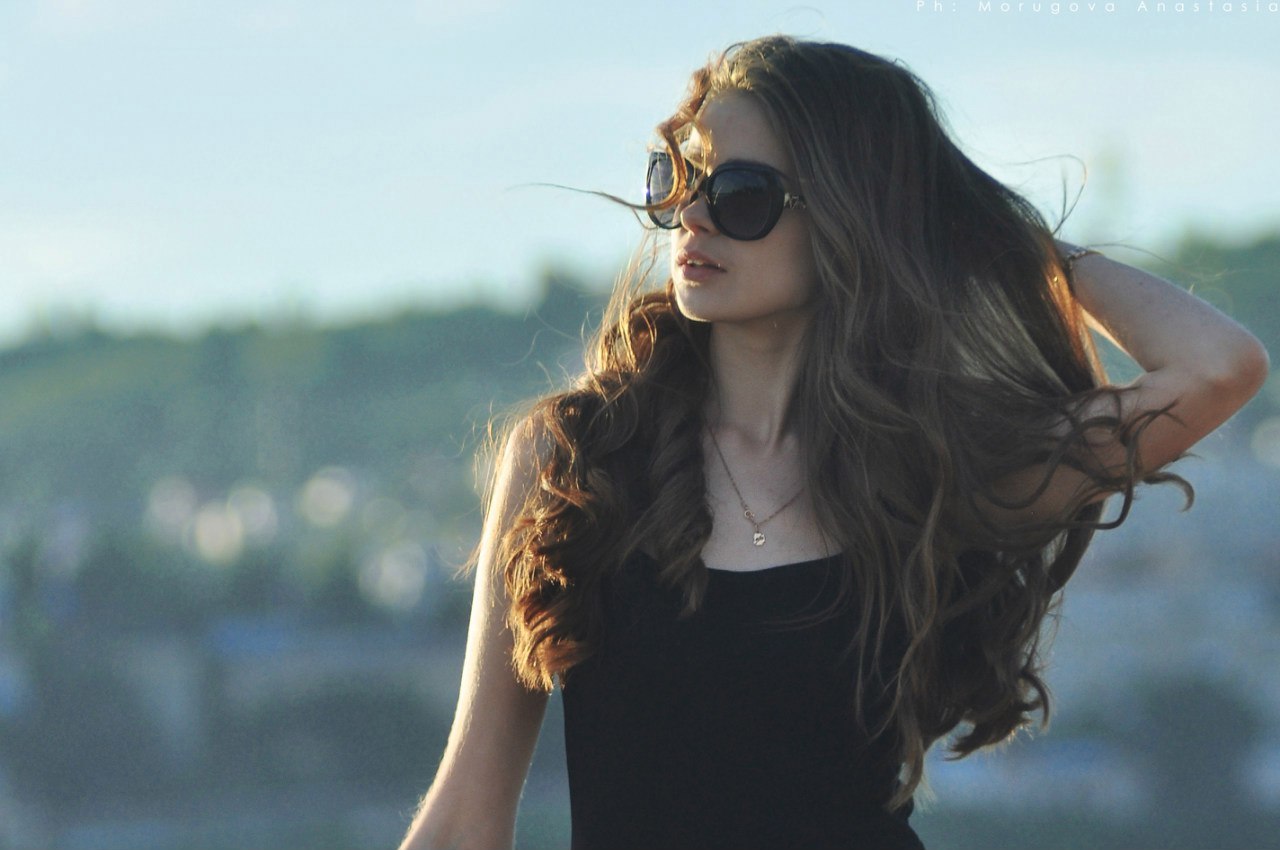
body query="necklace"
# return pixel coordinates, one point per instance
(757, 537)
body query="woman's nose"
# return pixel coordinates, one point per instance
(694, 216)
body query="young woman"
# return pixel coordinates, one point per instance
(807, 508)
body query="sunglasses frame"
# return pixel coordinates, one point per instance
(780, 199)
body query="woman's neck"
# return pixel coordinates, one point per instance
(754, 375)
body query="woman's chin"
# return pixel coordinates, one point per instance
(692, 303)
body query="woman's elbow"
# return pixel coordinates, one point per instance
(1246, 372)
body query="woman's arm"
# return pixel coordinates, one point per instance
(1198, 362)
(472, 803)
(1193, 357)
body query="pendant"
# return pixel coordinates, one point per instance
(758, 538)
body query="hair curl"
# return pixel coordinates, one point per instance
(947, 354)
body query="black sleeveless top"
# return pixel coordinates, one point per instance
(723, 731)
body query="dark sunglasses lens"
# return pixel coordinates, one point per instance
(657, 187)
(744, 203)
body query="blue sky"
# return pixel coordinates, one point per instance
(176, 163)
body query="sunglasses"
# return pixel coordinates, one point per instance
(744, 199)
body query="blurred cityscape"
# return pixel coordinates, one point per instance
(229, 616)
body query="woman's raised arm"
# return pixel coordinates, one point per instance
(1195, 358)
(1197, 362)
(472, 803)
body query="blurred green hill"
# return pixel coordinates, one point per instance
(95, 420)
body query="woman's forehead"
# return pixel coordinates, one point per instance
(731, 126)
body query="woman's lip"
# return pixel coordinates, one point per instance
(699, 274)
(693, 259)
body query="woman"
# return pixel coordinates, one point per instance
(807, 508)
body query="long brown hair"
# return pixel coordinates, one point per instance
(947, 354)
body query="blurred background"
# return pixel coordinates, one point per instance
(267, 269)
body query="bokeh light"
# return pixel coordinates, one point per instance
(328, 497)
(1266, 442)
(396, 576)
(256, 510)
(216, 534)
(170, 506)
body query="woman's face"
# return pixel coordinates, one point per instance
(718, 279)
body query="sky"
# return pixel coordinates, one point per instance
(176, 164)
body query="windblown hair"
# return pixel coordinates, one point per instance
(946, 355)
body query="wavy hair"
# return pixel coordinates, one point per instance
(946, 355)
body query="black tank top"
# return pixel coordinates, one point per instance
(723, 731)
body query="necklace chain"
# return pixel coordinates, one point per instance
(757, 536)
